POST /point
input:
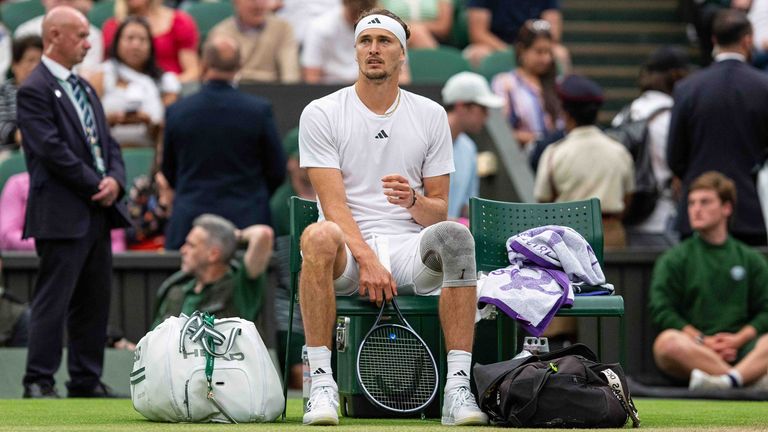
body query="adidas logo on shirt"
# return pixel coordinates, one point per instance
(318, 371)
(381, 135)
(374, 21)
(460, 373)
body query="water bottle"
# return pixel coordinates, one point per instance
(306, 382)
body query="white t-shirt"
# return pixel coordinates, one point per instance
(339, 131)
(329, 44)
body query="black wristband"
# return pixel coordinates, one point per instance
(413, 203)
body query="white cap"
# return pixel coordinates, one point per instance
(470, 87)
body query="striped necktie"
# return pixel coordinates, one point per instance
(90, 125)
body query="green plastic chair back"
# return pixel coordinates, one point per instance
(497, 62)
(435, 66)
(493, 222)
(101, 11)
(15, 164)
(207, 14)
(13, 14)
(137, 161)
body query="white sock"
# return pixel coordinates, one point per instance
(459, 363)
(736, 380)
(320, 367)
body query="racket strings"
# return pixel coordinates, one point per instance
(396, 369)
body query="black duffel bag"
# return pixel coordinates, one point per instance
(567, 388)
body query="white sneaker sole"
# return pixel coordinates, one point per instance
(327, 420)
(477, 420)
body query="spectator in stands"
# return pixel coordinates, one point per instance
(300, 13)
(270, 52)
(569, 169)
(174, 34)
(430, 21)
(709, 297)
(222, 152)
(26, 54)
(531, 103)
(132, 88)
(666, 66)
(467, 98)
(297, 184)
(34, 27)
(758, 16)
(495, 24)
(211, 279)
(13, 203)
(328, 56)
(719, 123)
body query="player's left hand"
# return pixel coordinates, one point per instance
(398, 190)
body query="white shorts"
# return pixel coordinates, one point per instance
(410, 274)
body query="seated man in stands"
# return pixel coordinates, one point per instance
(210, 279)
(709, 297)
(269, 51)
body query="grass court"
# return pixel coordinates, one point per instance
(106, 415)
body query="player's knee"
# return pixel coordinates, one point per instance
(321, 239)
(668, 344)
(448, 247)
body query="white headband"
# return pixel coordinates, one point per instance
(381, 22)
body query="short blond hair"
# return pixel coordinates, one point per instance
(716, 181)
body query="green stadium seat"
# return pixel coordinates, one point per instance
(493, 222)
(435, 66)
(13, 14)
(15, 164)
(137, 161)
(207, 14)
(459, 36)
(497, 62)
(101, 11)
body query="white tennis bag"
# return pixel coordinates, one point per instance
(195, 369)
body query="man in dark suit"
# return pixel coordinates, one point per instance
(77, 177)
(720, 123)
(222, 151)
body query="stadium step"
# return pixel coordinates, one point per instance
(610, 42)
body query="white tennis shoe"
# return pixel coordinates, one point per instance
(322, 407)
(701, 380)
(460, 409)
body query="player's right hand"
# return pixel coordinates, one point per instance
(376, 282)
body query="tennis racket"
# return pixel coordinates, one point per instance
(395, 368)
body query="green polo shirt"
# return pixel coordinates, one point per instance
(233, 295)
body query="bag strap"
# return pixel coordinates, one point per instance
(626, 401)
(529, 409)
(208, 321)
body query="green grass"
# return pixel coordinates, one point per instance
(118, 415)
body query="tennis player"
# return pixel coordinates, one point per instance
(379, 158)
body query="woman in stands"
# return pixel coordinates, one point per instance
(132, 88)
(174, 34)
(430, 21)
(25, 56)
(531, 107)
